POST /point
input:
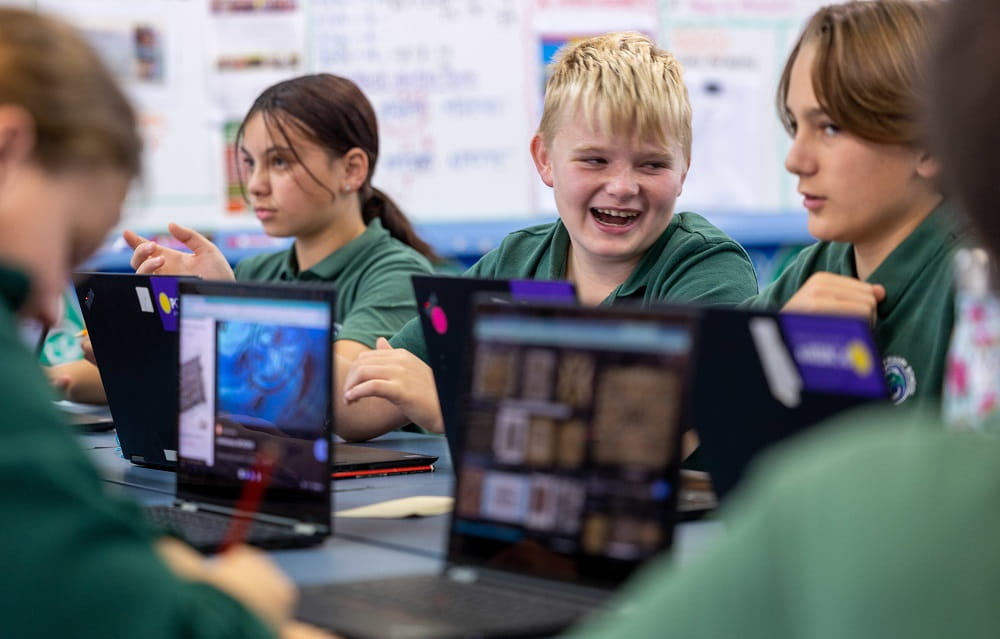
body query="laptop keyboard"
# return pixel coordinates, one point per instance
(432, 600)
(207, 531)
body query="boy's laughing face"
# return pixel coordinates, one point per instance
(615, 192)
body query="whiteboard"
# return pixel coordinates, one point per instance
(456, 84)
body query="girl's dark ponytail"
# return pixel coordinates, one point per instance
(376, 204)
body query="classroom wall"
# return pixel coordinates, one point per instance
(457, 85)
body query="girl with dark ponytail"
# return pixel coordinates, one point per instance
(306, 151)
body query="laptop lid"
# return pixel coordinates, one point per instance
(255, 375)
(764, 376)
(444, 306)
(132, 323)
(569, 468)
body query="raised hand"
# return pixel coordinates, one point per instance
(205, 259)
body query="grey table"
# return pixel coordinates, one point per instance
(359, 548)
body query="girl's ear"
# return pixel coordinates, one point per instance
(355, 168)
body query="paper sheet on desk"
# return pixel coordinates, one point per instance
(399, 508)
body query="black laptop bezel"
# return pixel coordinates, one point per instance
(306, 506)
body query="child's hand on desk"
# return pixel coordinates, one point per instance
(205, 260)
(398, 376)
(829, 293)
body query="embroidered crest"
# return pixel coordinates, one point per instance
(900, 378)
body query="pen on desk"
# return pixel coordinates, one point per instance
(82, 333)
(251, 495)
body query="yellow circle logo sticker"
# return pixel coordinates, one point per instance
(164, 302)
(859, 357)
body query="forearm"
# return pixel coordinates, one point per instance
(366, 418)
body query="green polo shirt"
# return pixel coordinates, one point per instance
(914, 321)
(691, 261)
(371, 275)
(78, 561)
(881, 526)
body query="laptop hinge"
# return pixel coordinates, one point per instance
(525, 583)
(300, 527)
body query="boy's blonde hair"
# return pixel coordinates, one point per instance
(622, 82)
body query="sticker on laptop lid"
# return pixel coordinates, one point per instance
(165, 294)
(542, 291)
(834, 355)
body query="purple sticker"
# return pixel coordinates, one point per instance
(834, 355)
(165, 300)
(542, 291)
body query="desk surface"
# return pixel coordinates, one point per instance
(360, 547)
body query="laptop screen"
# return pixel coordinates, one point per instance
(255, 378)
(569, 461)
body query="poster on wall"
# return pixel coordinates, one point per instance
(251, 46)
(733, 52)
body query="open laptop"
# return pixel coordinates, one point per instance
(566, 482)
(132, 323)
(764, 376)
(444, 305)
(255, 413)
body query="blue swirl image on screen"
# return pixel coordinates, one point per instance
(273, 377)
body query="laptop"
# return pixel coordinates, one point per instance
(566, 482)
(132, 323)
(255, 414)
(762, 377)
(444, 305)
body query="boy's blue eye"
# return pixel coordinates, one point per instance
(830, 128)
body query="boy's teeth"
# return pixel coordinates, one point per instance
(615, 213)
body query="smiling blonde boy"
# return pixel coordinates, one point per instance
(614, 144)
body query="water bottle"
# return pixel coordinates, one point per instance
(971, 398)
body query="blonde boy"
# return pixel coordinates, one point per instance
(614, 144)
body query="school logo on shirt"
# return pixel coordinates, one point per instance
(900, 378)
